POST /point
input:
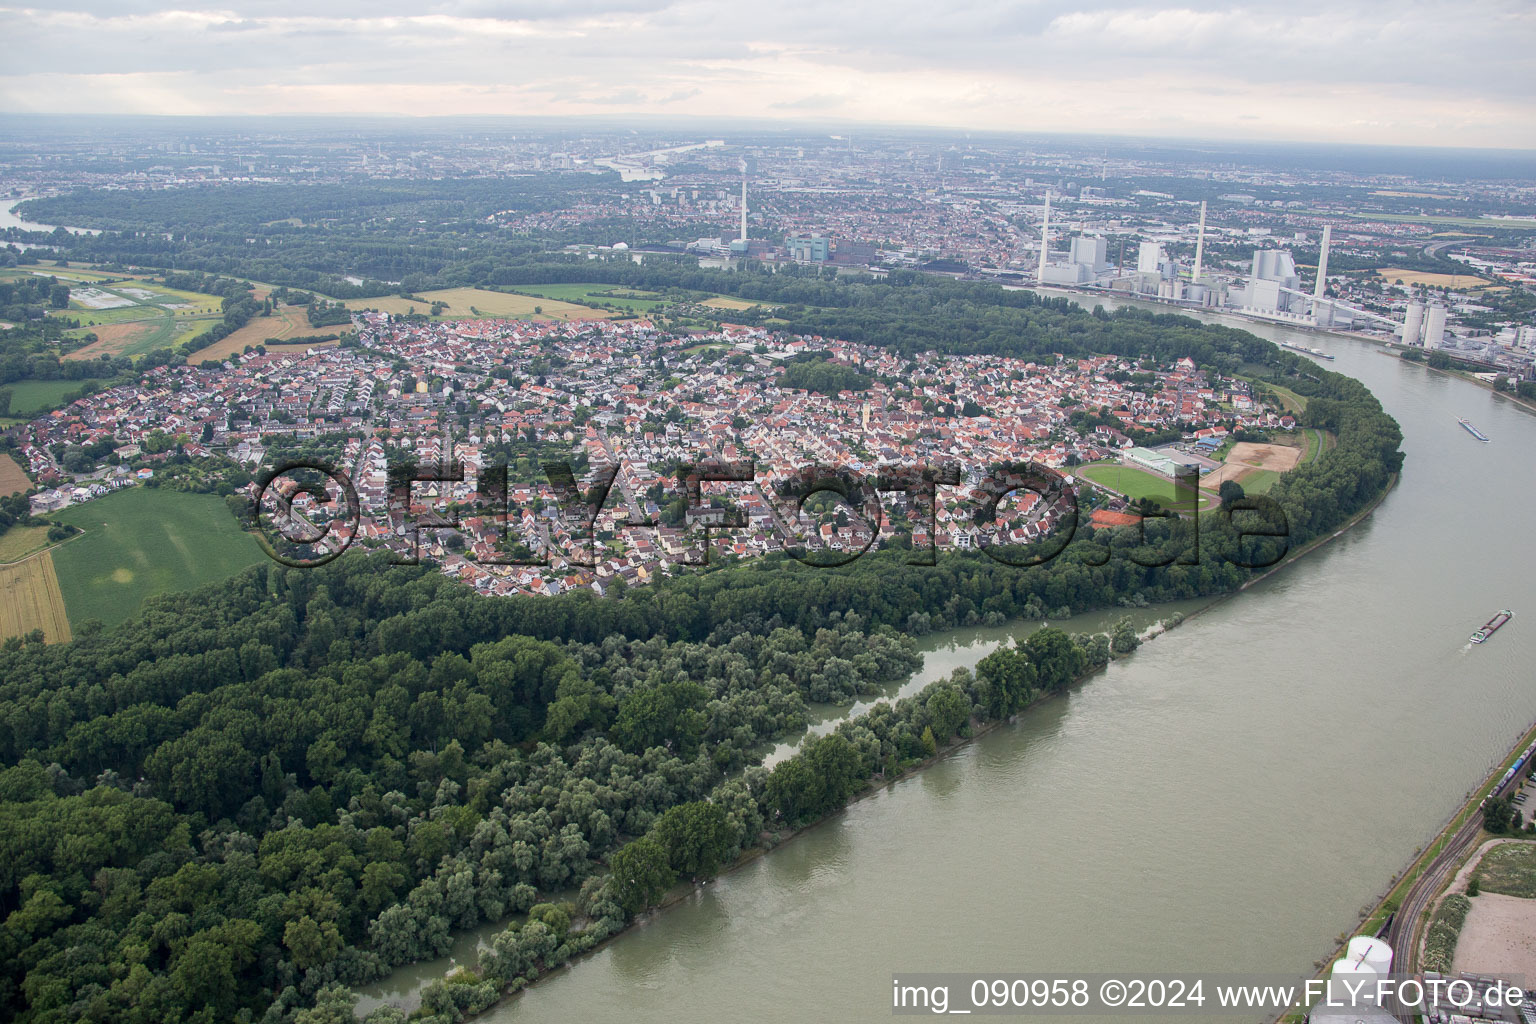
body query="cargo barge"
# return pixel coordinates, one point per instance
(1302, 348)
(1473, 430)
(1492, 625)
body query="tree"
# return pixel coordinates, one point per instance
(642, 873)
(1230, 491)
(1125, 639)
(948, 709)
(697, 837)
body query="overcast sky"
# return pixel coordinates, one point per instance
(1441, 72)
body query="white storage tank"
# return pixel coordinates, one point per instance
(1373, 953)
(1351, 983)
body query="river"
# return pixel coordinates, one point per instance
(1223, 800)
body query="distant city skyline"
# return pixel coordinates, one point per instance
(1425, 74)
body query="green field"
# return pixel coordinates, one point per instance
(31, 398)
(1510, 869)
(629, 298)
(1259, 481)
(1136, 484)
(144, 541)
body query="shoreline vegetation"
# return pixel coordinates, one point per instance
(261, 793)
(975, 729)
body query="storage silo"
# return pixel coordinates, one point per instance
(1371, 952)
(1434, 326)
(1413, 323)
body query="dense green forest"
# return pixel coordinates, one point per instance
(263, 792)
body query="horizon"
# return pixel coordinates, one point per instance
(1318, 73)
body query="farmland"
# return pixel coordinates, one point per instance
(463, 303)
(1392, 275)
(31, 398)
(12, 477)
(291, 322)
(131, 317)
(30, 599)
(606, 294)
(144, 541)
(20, 541)
(1136, 484)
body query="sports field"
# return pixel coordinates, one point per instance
(1255, 466)
(12, 477)
(468, 303)
(30, 599)
(145, 541)
(1136, 484)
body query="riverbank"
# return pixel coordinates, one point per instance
(1430, 866)
(1525, 403)
(775, 839)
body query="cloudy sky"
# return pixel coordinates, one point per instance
(1414, 72)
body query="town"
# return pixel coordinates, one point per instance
(634, 402)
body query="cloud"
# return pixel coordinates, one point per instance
(1347, 70)
(817, 101)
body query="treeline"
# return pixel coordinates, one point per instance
(30, 298)
(315, 236)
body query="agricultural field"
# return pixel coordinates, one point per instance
(730, 302)
(20, 541)
(30, 599)
(465, 303)
(130, 316)
(12, 477)
(145, 541)
(1393, 275)
(290, 322)
(1136, 484)
(30, 398)
(607, 294)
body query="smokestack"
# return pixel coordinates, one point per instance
(743, 207)
(1322, 264)
(1045, 238)
(1199, 246)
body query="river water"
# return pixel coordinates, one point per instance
(1224, 800)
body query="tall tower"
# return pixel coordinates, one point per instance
(1045, 238)
(743, 206)
(1194, 278)
(1322, 265)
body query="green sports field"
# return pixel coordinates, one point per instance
(1136, 484)
(145, 541)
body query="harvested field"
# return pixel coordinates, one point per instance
(728, 302)
(30, 599)
(292, 322)
(113, 338)
(467, 303)
(12, 477)
(1392, 275)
